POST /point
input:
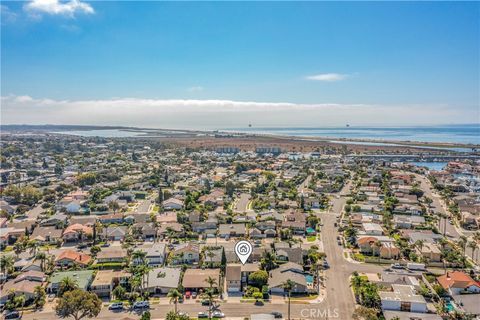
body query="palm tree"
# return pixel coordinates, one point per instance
(33, 246)
(476, 236)
(140, 267)
(42, 257)
(462, 242)
(211, 281)
(50, 265)
(419, 244)
(139, 257)
(269, 261)
(67, 284)
(18, 247)
(174, 295)
(288, 286)
(97, 231)
(377, 245)
(6, 264)
(473, 245)
(209, 253)
(209, 294)
(40, 295)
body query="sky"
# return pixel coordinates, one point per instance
(230, 64)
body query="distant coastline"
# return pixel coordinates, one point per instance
(467, 136)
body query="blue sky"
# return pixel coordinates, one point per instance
(350, 55)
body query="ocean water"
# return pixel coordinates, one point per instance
(106, 133)
(452, 133)
(465, 134)
(435, 166)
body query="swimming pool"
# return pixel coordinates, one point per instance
(450, 306)
(309, 278)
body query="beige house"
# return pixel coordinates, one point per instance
(196, 279)
(233, 279)
(430, 252)
(106, 280)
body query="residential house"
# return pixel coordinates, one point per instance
(196, 279)
(233, 278)
(407, 222)
(295, 221)
(55, 220)
(155, 253)
(231, 230)
(162, 280)
(46, 235)
(172, 204)
(403, 298)
(76, 232)
(185, 253)
(112, 254)
(117, 233)
(379, 246)
(83, 278)
(288, 271)
(116, 218)
(430, 252)
(68, 258)
(16, 288)
(373, 229)
(456, 282)
(106, 280)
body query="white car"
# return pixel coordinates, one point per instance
(141, 304)
(116, 306)
(218, 314)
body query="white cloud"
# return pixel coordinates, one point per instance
(328, 77)
(57, 7)
(195, 89)
(7, 15)
(209, 114)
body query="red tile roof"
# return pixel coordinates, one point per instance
(456, 279)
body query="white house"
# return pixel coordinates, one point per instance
(403, 298)
(172, 204)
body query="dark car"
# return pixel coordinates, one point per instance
(276, 315)
(205, 302)
(325, 264)
(13, 315)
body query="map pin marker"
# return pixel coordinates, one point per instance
(243, 249)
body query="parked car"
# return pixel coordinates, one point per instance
(325, 264)
(202, 314)
(194, 295)
(218, 314)
(188, 294)
(205, 302)
(13, 315)
(141, 304)
(396, 266)
(276, 315)
(416, 266)
(116, 306)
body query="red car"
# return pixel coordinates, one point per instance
(187, 294)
